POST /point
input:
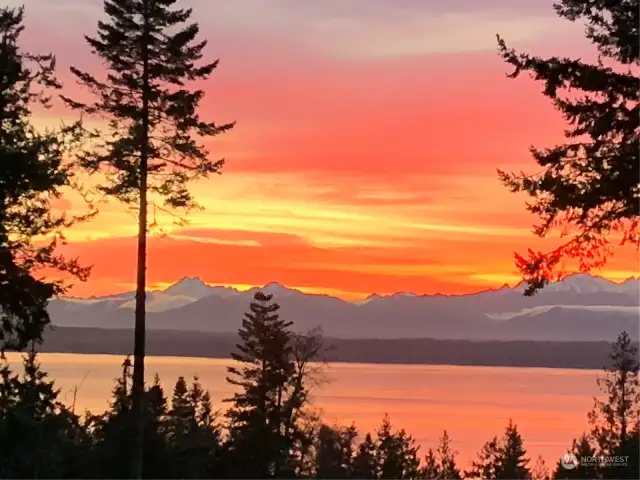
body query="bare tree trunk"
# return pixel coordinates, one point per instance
(139, 339)
(141, 283)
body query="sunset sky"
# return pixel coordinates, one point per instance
(365, 152)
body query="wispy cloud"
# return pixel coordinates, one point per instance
(365, 151)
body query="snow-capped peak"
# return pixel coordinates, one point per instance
(187, 290)
(190, 287)
(585, 283)
(276, 289)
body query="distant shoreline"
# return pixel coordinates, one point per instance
(419, 351)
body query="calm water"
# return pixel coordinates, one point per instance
(472, 403)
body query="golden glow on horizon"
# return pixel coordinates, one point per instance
(380, 178)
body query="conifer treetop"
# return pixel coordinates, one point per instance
(155, 99)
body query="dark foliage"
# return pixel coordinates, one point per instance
(393, 454)
(152, 147)
(396, 453)
(39, 436)
(588, 186)
(192, 432)
(365, 463)
(441, 464)
(335, 451)
(182, 438)
(32, 174)
(615, 421)
(503, 458)
(581, 448)
(112, 432)
(151, 51)
(266, 418)
(256, 416)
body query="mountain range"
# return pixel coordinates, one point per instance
(581, 307)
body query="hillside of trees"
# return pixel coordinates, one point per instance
(426, 351)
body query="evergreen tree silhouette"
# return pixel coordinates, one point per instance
(157, 452)
(540, 471)
(365, 463)
(151, 149)
(267, 414)
(111, 432)
(396, 453)
(588, 186)
(335, 450)
(513, 461)
(257, 414)
(393, 454)
(581, 448)
(32, 174)
(613, 419)
(630, 451)
(487, 463)
(616, 420)
(182, 413)
(441, 464)
(39, 436)
(503, 458)
(193, 436)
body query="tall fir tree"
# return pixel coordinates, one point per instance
(266, 418)
(256, 414)
(33, 171)
(588, 186)
(151, 149)
(615, 421)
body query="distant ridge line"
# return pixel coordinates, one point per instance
(279, 286)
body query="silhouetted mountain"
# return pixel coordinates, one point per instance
(581, 307)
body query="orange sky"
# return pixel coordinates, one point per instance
(365, 152)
